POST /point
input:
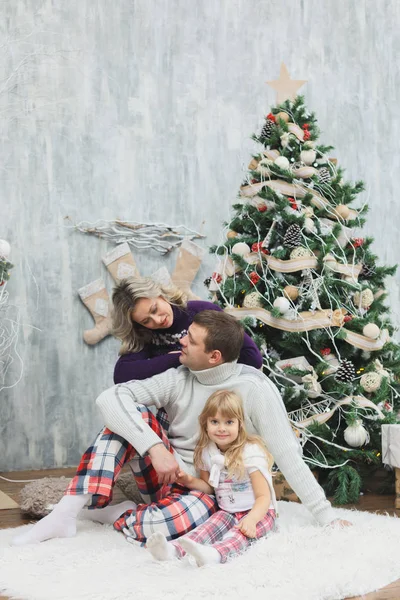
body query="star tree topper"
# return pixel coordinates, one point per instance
(285, 87)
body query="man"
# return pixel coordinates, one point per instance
(209, 354)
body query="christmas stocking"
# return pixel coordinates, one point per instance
(186, 267)
(95, 297)
(120, 262)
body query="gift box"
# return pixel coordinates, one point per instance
(282, 489)
(391, 445)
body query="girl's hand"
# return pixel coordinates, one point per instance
(184, 478)
(248, 527)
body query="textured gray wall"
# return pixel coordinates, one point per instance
(143, 111)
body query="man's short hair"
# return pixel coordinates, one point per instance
(224, 333)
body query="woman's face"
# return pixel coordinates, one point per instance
(153, 313)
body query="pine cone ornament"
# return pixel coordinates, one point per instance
(268, 128)
(346, 371)
(292, 237)
(324, 175)
(367, 271)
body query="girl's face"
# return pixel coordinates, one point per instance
(153, 313)
(222, 430)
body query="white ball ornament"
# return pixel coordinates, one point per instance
(309, 225)
(371, 331)
(5, 249)
(308, 156)
(282, 304)
(356, 435)
(282, 162)
(370, 382)
(252, 300)
(241, 248)
(342, 211)
(300, 252)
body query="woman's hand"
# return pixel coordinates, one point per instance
(184, 478)
(248, 527)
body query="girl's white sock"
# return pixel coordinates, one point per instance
(61, 522)
(109, 514)
(203, 555)
(159, 547)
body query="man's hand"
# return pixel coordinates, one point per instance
(184, 478)
(164, 464)
(248, 527)
(341, 523)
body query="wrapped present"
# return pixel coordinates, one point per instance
(282, 489)
(391, 445)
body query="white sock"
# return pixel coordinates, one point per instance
(203, 555)
(159, 547)
(61, 522)
(109, 514)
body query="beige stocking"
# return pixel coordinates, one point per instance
(187, 265)
(95, 297)
(120, 262)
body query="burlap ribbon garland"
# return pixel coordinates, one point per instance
(323, 417)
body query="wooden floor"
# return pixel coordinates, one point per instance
(14, 518)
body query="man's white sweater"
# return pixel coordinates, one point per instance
(183, 394)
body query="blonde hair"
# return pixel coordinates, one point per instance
(125, 296)
(230, 406)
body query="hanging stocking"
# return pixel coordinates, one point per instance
(120, 262)
(95, 297)
(187, 265)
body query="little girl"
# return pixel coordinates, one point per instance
(236, 468)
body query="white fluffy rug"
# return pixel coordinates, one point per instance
(300, 562)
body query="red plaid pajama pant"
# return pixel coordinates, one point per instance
(173, 510)
(220, 531)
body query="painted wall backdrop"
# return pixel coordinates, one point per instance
(143, 111)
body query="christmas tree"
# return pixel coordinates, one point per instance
(295, 269)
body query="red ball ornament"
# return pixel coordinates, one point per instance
(2, 283)
(293, 203)
(262, 208)
(217, 277)
(271, 117)
(347, 318)
(306, 126)
(357, 242)
(307, 135)
(254, 277)
(254, 181)
(258, 247)
(326, 351)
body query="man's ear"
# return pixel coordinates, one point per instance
(215, 357)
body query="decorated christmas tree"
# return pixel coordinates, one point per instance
(295, 268)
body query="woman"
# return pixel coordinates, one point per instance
(150, 321)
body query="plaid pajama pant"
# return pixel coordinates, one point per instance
(173, 510)
(220, 531)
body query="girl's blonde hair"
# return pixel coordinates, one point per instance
(230, 406)
(125, 296)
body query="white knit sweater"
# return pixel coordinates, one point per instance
(183, 394)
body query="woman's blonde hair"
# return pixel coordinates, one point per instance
(125, 296)
(230, 406)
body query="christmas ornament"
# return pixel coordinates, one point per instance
(293, 236)
(363, 300)
(306, 136)
(282, 304)
(325, 351)
(347, 318)
(370, 382)
(346, 371)
(252, 300)
(300, 252)
(308, 156)
(5, 249)
(312, 385)
(241, 249)
(283, 116)
(342, 211)
(262, 207)
(324, 175)
(357, 242)
(285, 139)
(291, 292)
(293, 203)
(268, 128)
(367, 271)
(258, 247)
(309, 225)
(285, 87)
(282, 162)
(263, 166)
(207, 282)
(356, 435)
(217, 277)
(231, 234)
(371, 331)
(254, 277)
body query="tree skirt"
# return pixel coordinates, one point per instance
(300, 562)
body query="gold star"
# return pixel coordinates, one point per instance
(285, 87)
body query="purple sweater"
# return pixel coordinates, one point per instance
(154, 357)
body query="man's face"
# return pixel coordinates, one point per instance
(194, 355)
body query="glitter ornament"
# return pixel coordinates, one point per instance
(370, 382)
(363, 299)
(252, 300)
(300, 252)
(371, 331)
(356, 435)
